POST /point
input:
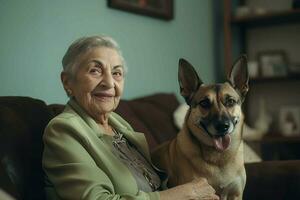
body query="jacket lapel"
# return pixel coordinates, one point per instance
(136, 138)
(88, 120)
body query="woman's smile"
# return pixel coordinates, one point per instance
(103, 96)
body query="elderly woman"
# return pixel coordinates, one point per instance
(90, 152)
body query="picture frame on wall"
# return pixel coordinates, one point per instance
(162, 9)
(273, 63)
(294, 69)
(289, 120)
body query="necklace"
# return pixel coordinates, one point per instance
(121, 144)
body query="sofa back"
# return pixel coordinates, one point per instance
(151, 115)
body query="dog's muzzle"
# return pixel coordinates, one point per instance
(218, 127)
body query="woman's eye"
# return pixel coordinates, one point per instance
(117, 75)
(205, 103)
(95, 70)
(230, 102)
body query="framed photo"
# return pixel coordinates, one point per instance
(289, 120)
(162, 9)
(273, 63)
(294, 68)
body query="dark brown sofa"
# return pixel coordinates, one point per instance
(22, 120)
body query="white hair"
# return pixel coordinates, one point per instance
(81, 46)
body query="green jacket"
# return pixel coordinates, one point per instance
(80, 165)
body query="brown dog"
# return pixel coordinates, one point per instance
(210, 142)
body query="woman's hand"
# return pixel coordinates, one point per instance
(198, 189)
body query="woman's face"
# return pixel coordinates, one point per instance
(99, 81)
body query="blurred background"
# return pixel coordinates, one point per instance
(268, 32)
(153, 35)
(35, 35)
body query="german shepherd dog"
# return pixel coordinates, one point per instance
(210, 143)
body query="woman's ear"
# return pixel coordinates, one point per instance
(65, 79)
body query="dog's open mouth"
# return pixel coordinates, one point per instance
(222, 143)
(221, 140)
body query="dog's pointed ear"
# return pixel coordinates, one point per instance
(188, 79)
(239, 77)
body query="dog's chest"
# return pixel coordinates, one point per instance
(225, 180)
(219, 177)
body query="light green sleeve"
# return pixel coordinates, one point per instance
(72, 170)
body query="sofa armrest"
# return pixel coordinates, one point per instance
(273, 180)
(5, 182)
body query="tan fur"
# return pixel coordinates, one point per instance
(191, 154)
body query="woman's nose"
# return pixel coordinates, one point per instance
(107, 81)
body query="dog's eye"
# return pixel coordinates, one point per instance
(205, 103)
(230, 102)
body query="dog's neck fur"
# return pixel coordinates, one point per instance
(208, 153)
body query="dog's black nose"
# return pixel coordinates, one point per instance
(222, 126)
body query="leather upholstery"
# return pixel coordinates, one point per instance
(22, 123)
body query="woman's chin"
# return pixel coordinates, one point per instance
(105, 107)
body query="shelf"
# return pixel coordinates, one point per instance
(275, 79)
(276, 138)
(280, 139)
(269, 18)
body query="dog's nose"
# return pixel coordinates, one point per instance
(222, 126)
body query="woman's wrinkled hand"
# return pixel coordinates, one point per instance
(198, 189)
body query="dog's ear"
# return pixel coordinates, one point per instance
(188, 79)
(238, 76)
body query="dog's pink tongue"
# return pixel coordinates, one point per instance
(222, 143)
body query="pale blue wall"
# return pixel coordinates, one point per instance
(34, 35)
